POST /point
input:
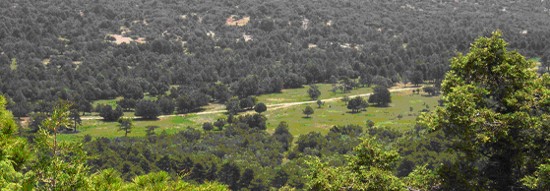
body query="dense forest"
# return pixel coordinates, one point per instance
(90, 50)
(488, 60)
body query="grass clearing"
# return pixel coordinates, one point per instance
(398, 115)
(300, 94)
(173, 124)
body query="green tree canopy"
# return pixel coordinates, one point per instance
(495, 114)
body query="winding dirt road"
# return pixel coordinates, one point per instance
(270, 106)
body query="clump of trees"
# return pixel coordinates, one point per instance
(357, 104)
(147, 109)
(108, 114)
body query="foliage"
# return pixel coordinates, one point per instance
(356, 104)
(46, 166)
(126, 125)
(282, 135)
(381, 96)
(108, 114)
(540, 180)
(369, 169)
(260, 107)
(314, 92)
(422, 179)
(308, 111)
(147, 109)
(491, 113)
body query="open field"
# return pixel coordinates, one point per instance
(300, 94)
(287, 107)
(99, 128)
(336, 113)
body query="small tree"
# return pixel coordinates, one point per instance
(381, 96)
(75, 117)
(282, 134)
(319, 103)
(260, 107)
(308, 111)
(126, 125)
(370, 123)
(207, 126)
(356, 104)
(314, 92)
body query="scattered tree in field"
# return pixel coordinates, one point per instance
(260, 107)
(308, 111)
(381, 96)
(370, 123)
(319, 103)
(356, 104)
(147, 109)
(126, 125)
(314, 92)
(207, 126)
(75, 117)
(493, 111)
(108, 114)
(282, 134)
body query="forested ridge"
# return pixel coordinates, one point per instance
(216, 49)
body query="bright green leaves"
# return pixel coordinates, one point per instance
(369, 169)
(7, 125)
(507, 76)
(422, 178)
(494, 113)
(371, 154)
(540, 180)
(58, 118)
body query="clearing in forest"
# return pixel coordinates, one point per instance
(231, 21)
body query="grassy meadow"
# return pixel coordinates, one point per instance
(397, 115)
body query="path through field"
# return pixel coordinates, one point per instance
(269, 107)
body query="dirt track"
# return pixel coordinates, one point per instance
(271, 106)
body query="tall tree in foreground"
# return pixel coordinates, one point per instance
(495, 113)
